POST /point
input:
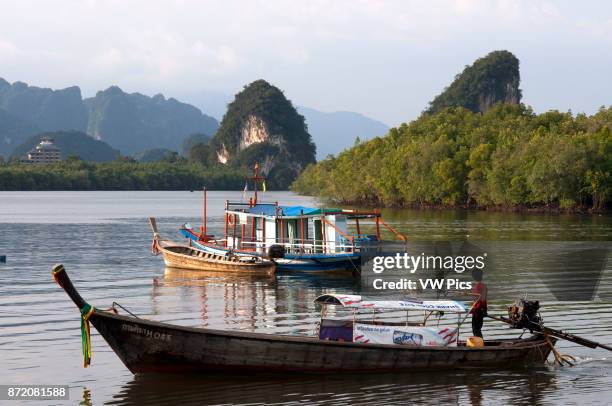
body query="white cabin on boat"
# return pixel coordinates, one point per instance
(299, 229)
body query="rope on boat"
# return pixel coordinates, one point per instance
(86, 313)
(559, 358)
(126, 310)
(356, 269)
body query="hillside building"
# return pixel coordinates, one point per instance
(45, 152)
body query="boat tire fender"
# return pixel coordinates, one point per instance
(276, 251)
(231, 219)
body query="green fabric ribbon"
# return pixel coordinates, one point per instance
(86, 313)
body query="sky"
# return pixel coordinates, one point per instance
(384, 59)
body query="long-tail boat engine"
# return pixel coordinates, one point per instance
(525, 314)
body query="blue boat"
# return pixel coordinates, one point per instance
(297, 238)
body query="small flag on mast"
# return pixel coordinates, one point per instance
(246, 189)
(263, 186)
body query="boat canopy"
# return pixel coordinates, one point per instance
(272, 210)
(276, 210)
(356, 302)
(287, 211)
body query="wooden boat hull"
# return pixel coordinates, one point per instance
(147, 346)
(188, 277)
(349, 263)
(184, 257)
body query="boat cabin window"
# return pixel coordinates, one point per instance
(289, 232)
(318, 235)
(392, 327)
(336, 330)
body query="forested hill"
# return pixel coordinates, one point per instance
(508, 157)
(261, 125)
(491, 79)
(476, 146)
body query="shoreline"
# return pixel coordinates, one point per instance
(523, 208)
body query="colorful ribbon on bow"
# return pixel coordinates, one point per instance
(86, 313)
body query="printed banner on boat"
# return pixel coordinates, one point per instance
(404, 335)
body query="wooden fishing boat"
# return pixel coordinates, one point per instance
(147, 346)
(185, 257)
(300, 239)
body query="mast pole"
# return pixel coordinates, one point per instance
(242, 226)
(323, 223)
(226, 218)
(263, 234)
(253, 229)
(204, 216)
(302, 228)
(234, 245)
(256, 180)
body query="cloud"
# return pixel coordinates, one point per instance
(382, 58)
(109, 58)
(8, 51)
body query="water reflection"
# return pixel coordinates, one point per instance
(483, 387)
(86, 399)
(280, 304)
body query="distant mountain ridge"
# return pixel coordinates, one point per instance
(134, 122)
(336, 131)
(47, 109)
(131, 122)
(13, 131)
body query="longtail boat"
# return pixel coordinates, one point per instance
(182, 256)
(148, 346)
(298, 238)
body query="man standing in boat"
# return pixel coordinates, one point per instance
(479, 308)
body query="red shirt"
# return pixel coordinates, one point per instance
(479, 291)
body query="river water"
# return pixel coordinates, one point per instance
(104, 241)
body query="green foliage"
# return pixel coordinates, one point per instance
(122, 174)
(507, 157)
(155, 154)
(192, 140)
(492, 79)
(201, 153)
